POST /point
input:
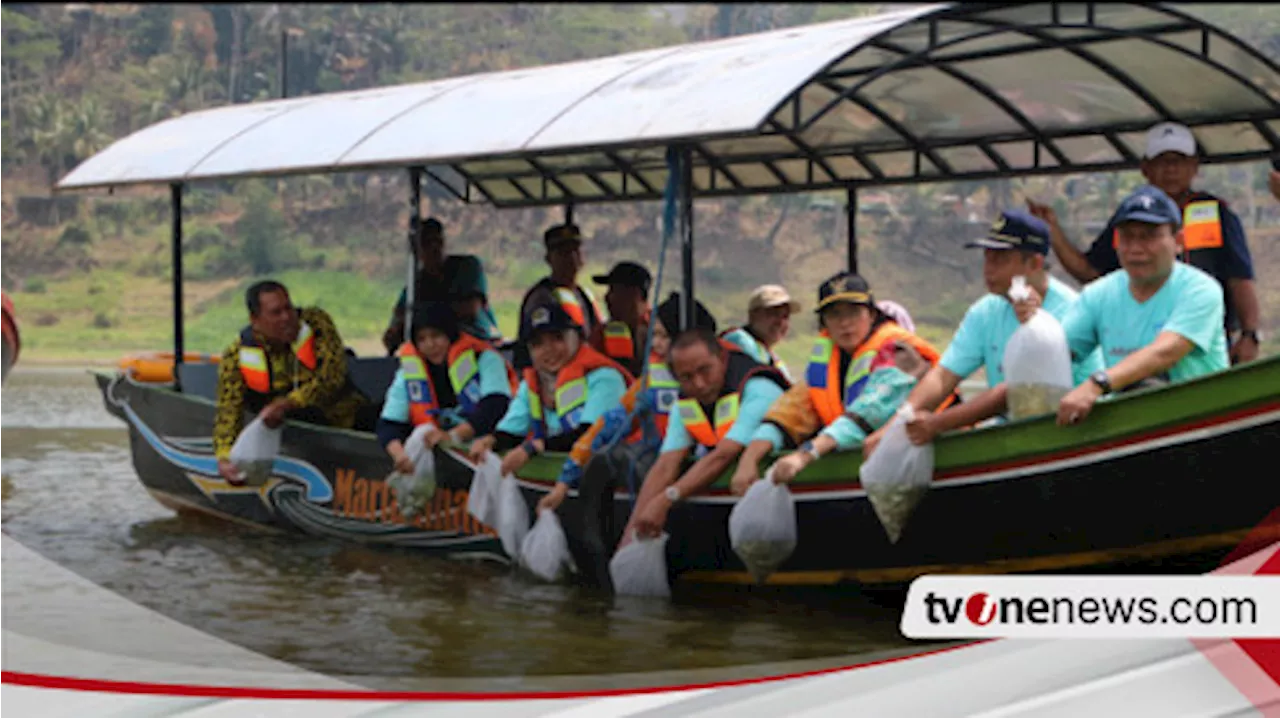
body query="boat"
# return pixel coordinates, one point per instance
(1164, 477)
(12, 340)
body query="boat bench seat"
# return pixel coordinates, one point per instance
(371, 375)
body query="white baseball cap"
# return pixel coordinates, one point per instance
(1170, 137)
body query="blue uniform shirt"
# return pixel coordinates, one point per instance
(757, 396)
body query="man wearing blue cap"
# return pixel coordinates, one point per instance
(1213, 237)
(1016, 245)
(1157, 319)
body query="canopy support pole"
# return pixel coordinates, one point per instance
(851, 220)
(684, 159)
(415, 219)
(568, 213)
(179, 348)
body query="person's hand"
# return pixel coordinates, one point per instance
(552, 501)
(514, 461)
(786, 468)
(480, 447)
(1026, 308)
(743, 477)
(1043, 212)
(434, 436)
(1077, 404)
(229, 472)
(652, 518)
(273, 414)
(908, 359)
(393, 337)
(922, 429)
(405, 465)
(870, 443)
(1244, 349)
(1273, 181)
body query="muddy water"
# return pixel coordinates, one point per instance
(70, 494)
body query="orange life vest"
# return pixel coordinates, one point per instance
(254, 365)
(830, 395)
(571, 300)
(464, 378)
(709, 431)
(571, 390)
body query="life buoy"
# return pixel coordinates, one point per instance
(157, 367)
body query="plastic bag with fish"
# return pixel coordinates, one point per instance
(545, 550)
(482, 497)
(762, 527)
(1036, 363)
(512, 516)
(640, 568)
(897, 475)
(255, 451)
(414, 491)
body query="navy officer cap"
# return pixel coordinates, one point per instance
(1015, 230)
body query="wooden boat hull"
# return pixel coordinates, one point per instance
(1170, 478)
(12, 341)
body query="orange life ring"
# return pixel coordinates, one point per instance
(157, 367)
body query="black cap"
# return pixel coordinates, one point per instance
(561, 234)
(1150, 205)
(435, 315)
(1015, 230)
(546, 317)
(628, 274)
(845, 287)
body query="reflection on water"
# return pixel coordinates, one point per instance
(70, 493)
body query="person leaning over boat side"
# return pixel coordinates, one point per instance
(436, 273)
(622, 337)
(769, 313)
(456, 383)
(1016, 245)
(859, 372)
(724, 395)
(564, 256)
(1214, 237)
(653, 398)
(287, 362)
(567, 388)
(1156, 319)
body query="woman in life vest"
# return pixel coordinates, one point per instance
(457, 384)
(648, 404)
(861, 368)
(560, 396)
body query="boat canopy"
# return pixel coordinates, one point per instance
(922, 94)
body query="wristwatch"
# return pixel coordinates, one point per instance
(1251, 334)
(529, 448)
(808, 448)
(672, 493)
(1102, 380)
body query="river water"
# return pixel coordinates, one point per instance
(71, 495)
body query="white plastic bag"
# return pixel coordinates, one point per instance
(414, 492)
(545, 550)
(897, 475)
(1036, 363)
(762, 527)
(482, 501)
(640, 568)
(513, 516)
(255, 451)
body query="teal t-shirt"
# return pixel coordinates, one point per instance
(1190, 304)
(605, 387)
(987, 325)
(753, 348)
(757, 396)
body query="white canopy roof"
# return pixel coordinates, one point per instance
(940, 92)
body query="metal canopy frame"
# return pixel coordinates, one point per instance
(783, 150)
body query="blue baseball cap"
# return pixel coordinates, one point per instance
(549, 317)
(1150, 205)
(1015, 230)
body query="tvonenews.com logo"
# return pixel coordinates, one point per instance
(1093, 606)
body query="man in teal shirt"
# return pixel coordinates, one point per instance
(1016, 245)
(1154, 319)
